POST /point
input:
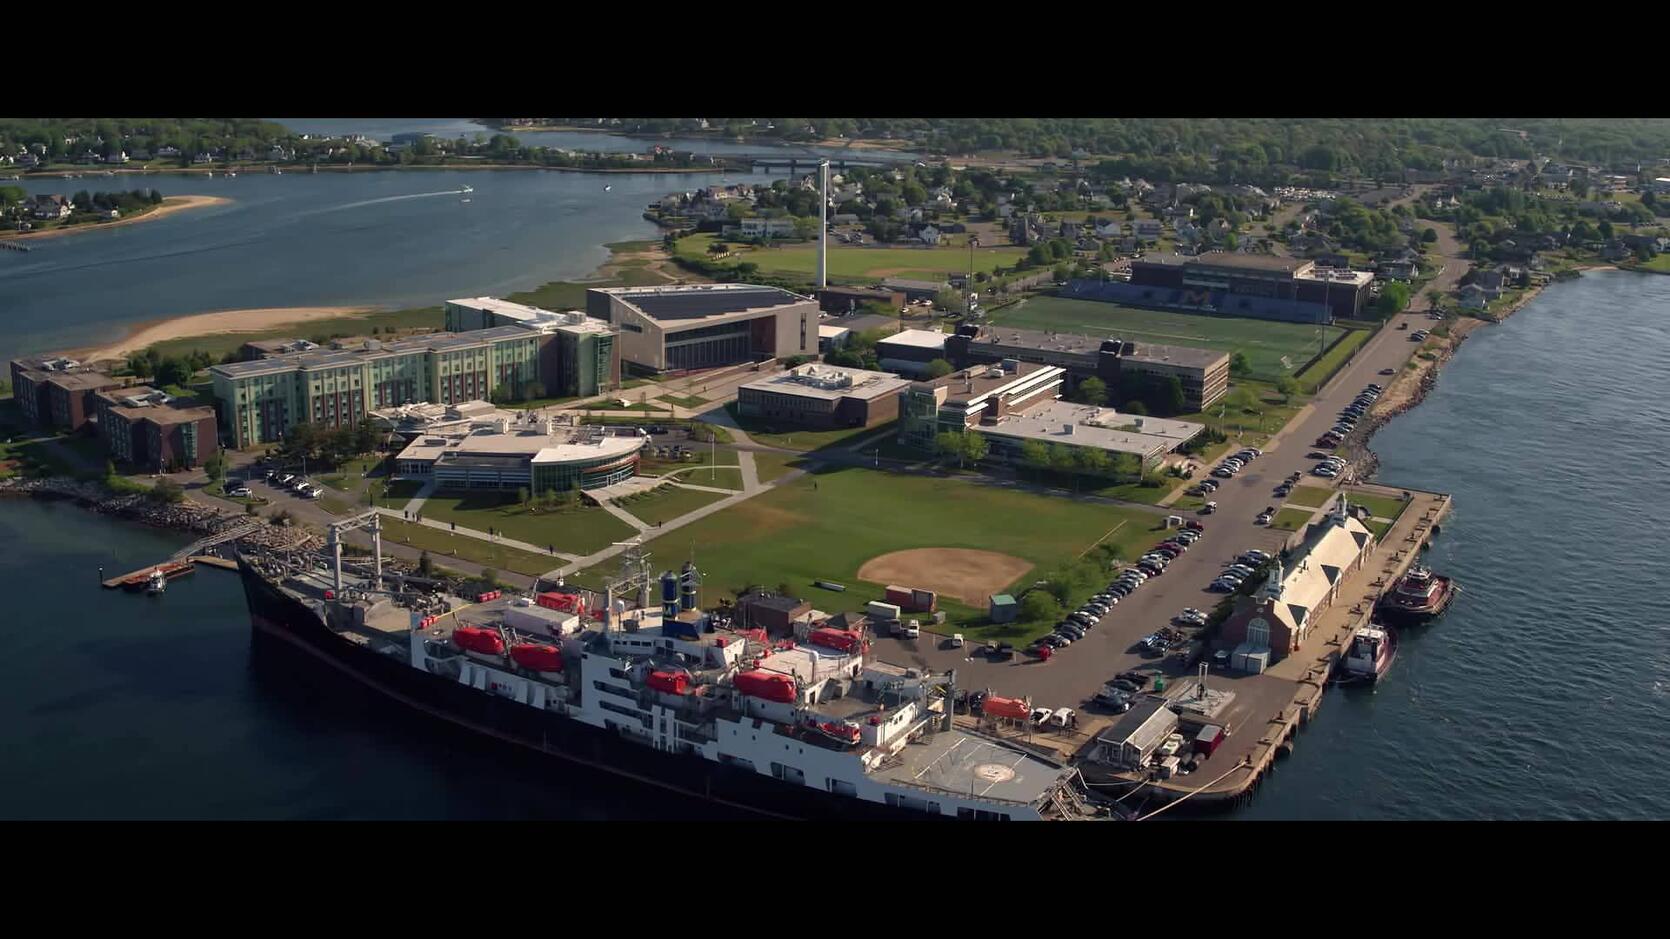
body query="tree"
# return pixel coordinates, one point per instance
(948, 444)
(718, 247)
(167, 491)
(1430, 235)
(523, 497)
(1136, 407)
(1036, 454)
(1172, 398)
(1605, 229)
(1039, 606)
(975, 447)
(1394, 298)
(215, 466)
(939, 368)
(1238, 364)
(1093, 391)
(1286, 386)
(1230, 241)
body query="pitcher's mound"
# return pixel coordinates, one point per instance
(963, 574)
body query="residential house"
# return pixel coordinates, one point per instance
(1397, 269)
(51, 206)
(117, 156)
(766, 227)
(205, 156)
(843, 218)
(28, 159)
(929, 235)
(1070, 230)
(168, 151)
(1178, 213)
(89, 157)
(1148, 229)
(1332, 259)
(140, 153)
(1490, 282)
(1188, 233)
(1472, 297)
(1661, 185)
(1108, 230)
(1614, 251)
(279, 153)
(1218, 227)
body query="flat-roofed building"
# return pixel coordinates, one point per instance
(339, 386)
(28, 373)
(697, 326)
(914, 289)
(407, 421)
(909, 351)
(841, 300)
(539, 454)
(65, 399)
(1015, 403)
(1219, 280)
(1203, 373)
(817, 395)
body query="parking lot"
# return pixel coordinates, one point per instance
(1073, 676)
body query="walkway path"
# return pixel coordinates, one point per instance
(579, 564)
(415, 507)
(750, 472)
(638, 524)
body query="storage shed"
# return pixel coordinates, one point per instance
(1207, 739)
(1131, 740)
(1003, 608)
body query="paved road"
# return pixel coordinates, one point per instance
(1074, 674)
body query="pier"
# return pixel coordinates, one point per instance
(1269, 709)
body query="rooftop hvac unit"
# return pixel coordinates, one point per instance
(995, 372)
(1067, 429)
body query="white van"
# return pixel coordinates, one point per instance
(956, 640)
(913, 630)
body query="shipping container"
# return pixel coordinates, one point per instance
(880, 610)
(1208, 739)
(541, 620)
(900, 596)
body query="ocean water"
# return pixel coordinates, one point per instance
(390, 239)
(1544, 691)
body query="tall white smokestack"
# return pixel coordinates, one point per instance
(823, 224)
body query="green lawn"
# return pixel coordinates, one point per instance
(770, 466)
(667, 503)
(1387, 507)
(579, 530)
(1312, 496)
(852, 263)
(1249, 413)
(683, 401)
(1379, 528)
(1333, 360)
(702, 456)
(443, 545)
(1273, 349)
(1291, 519)
(825, 526)
(1660, 264)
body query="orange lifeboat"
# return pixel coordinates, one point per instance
(478, 639)
(844, 640)
(537, 658)
(670, 682)
(1006, 707)
(767, 685)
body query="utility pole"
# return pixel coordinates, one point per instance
(823, 224)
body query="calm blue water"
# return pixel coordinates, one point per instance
(391, 239)
(1544, 692)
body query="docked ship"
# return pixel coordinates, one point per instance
(1418, 596)
(806, 727)
(1371, 653)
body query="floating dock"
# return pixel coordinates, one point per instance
(173, 570)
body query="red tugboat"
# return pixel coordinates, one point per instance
(1418, 596)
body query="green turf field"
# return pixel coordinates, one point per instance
(858, 264)
(825, 526)
(580, 530)
(1273, 349)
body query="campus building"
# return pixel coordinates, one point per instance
(823, 396)
(407, 421)
(1013, 403)
(1203, 373)
(538, 454)
(143, 427)
(341, 385)
(1260, 286)
(909, 351)
(843, 300)
(579, 355)
(696, 326)
(1294, 596)
(56, 392)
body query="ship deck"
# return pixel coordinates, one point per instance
(966, 764)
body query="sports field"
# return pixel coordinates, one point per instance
(856, 264)
(828, 525)
(1273, 349)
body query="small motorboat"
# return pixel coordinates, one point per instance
(1370, 655)
(607, 188)
(467, 189)
(156, 583)
(461, 201)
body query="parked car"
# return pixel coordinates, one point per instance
(1221, 586)
(1254, 556)
(241, 492)
(1263, 519)
(1195, 526)
(1040, 715)
(1208, 508)
(1062, 718)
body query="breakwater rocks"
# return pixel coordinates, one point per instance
(189, 517)
(1369, 463)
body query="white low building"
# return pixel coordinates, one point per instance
(540, 454)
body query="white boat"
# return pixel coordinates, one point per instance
(230, 174)
(157, 583)
(461, 201)
(467, 189)
(607, 188)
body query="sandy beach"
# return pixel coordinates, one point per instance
(146, 334)
(170, 205)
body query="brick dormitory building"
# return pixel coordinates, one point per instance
(139, 426)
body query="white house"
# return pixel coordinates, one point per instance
(120, 156)
(929, 235)
(51, 206)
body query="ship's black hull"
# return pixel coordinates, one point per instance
(285, 626)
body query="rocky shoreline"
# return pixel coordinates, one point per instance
(1366, 466)
(188, 517)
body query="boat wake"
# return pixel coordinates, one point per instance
(366, 202)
